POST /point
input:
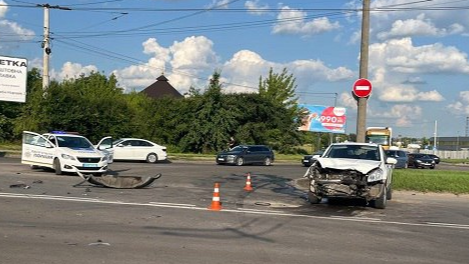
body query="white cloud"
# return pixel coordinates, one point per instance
(460, 107)
(185, 60)
(255, 7)
(418, 22)
(72, 71)
(316, 70)
(402, 56)
(420, 26)
(403, 114)
(347, 100)
(408, 94)
(394, 62)
(219, 4)
(294, 21)
(12, 33)
(245, 67)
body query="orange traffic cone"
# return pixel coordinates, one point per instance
(216, 204)
(248, 186)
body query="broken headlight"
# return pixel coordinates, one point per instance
(375, 175)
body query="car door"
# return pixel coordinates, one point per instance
(123, 150)
(105, 146)
(141, 149)
(256, 154)
(37, 150)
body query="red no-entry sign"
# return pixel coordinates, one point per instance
(362, 88)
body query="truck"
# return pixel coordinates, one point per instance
(379, 135)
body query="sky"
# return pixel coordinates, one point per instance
(418, 51)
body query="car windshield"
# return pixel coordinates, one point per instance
(366, 152)
(73, 142)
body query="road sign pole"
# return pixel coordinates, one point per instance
(362, 101)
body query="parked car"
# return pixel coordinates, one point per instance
(247, 154)
(138, 149)
(435, 158)
(352, 170)
(65, 152)
(401, 157)
(309, 159)
(420, 160)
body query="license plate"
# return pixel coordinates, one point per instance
(90, 165)
(221, 159)
(305, 160)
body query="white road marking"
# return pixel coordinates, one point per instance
(258, 212)
(185, 205)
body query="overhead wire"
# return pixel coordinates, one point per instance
(209, 27)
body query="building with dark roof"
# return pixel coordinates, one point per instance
(161, 88)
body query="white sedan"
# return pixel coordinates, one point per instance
(138, 149)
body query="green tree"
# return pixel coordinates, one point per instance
(279, 89)
(212, 120)
(92, 105)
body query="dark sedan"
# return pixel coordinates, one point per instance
(246, 154)
(435, 158)
(309, 159)
(419, 160)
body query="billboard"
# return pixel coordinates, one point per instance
(13, 76)
(321, 118)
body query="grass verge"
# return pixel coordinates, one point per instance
(439, 181)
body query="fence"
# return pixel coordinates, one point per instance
(444, 154)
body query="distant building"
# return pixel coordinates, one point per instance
(451, 143)
(161, 88)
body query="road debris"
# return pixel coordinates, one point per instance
(20, 185)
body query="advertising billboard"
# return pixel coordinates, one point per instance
(13, 76)
(321, 118)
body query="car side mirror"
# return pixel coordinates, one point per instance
(316, 156)
(49, 145)
(119, 145)
(392, 161)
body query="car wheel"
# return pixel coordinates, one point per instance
(57, 167)
(240, 161)
(313, 198)
(380, 202)
(267, 161)
(152, 158)
(389, 193)
(432, 167)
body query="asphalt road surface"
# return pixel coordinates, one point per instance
(51, 219)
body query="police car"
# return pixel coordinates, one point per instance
(66, 152)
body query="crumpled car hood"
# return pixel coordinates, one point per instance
(363, 166)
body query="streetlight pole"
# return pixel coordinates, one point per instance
(45, 49)
(362, 101)
(46, 43)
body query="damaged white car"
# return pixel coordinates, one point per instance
(352, 170)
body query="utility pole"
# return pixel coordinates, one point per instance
(46, 43)
(467, 126)
(434, 137)
(45, 49)
(362, 101)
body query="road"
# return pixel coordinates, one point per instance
(54, 221)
